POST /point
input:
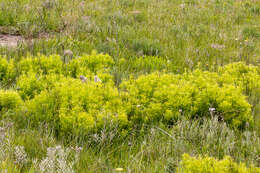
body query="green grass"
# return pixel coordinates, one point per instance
(149, 149)
(142, 36)
(185, 32)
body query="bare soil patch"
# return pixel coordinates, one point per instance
(7, 40)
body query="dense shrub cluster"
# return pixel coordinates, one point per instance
(41, 64)
(245, 76)
(31, 84)
(9, 101)
(92, 63)
(79, 94)
(167, 96)
(74, 105)
(210, 165)
(7, 71)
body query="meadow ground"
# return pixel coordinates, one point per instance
(175, 37)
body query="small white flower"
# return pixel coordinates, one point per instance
(212, 109)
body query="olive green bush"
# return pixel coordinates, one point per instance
(210, 165)
(247, 77)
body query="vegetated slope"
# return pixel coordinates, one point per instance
(81, 95)
(78, 98)
(172, 85)
(184, 33)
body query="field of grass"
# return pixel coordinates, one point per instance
(130, 86)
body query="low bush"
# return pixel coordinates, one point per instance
(7, 71)
(166, 97)
(245, 76)
(91, 65)
(210, 165)
(75, 106)
(9, 101)
(41, 64)
(32, 84)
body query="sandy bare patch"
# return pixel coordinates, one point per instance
(10, 41)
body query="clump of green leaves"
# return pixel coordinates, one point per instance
(32, 84)
(10, 101)
(167, 97)
(7, 71)
(91, 65)
(208, 164)
(75, 106)
(41, 64)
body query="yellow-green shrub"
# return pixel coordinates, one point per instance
(41, 64)
(73, 105)
(9, 101)
(86, 65)
(167, 96)
(31, 84)
(210, 165)
(7, 70)
(245, 76)
(90, 65)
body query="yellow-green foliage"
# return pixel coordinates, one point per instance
(7, 70)
(41, 64)
(161, 96)
(149, 64)
(9, 166)
(74, 105)
(31, 84)
(9, 100)
(242, 75)
(210, 165)
(90, 65)
(54, 92)
(246, 77)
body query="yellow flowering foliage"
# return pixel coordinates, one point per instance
(7, 70)
(87, 64)
(41, 64)
(80, 94)
(10, 101)
(166, 97)
(245, 76)
(73, 105)
(31, 83)
(211, 165)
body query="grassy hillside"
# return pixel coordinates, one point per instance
(130, 86)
